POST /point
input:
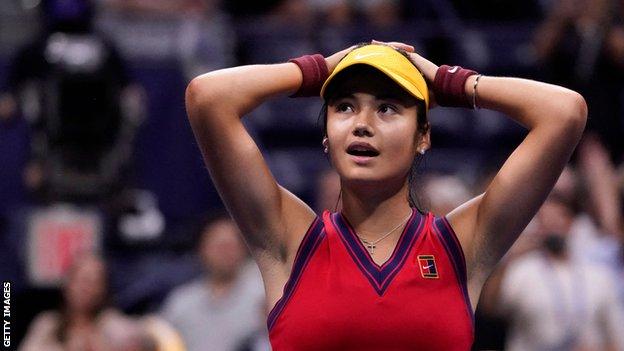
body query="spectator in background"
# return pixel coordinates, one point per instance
(377, 13)
(580, 45)
(85, 321)
(554, 301)
(161, 334)
(220, 309)
(597, 234)
(590, 192)
(258, 340)
(71, 85)
(196, 32)
(124, 334)
(445, 193)
(333, 12)
(381, 14)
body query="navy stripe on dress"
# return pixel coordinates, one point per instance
(309, 243)
(380, 277)
(456, 254)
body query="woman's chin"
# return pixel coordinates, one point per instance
(371, 177)
(363, 177)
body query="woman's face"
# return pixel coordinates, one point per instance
(555, 217)
(86, 289)
(372, 128)
(222, 250)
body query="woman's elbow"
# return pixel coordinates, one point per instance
(570, 113)
(208, 106)
(205, 102)
(197, 95)
(576, 111)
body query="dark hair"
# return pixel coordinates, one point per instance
(422, 127)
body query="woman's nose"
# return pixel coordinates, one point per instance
(363, 127)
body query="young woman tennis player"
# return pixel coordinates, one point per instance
(379, 274)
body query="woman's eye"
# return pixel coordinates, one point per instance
(387, 109)
(344, 107)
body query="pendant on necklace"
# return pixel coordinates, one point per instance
(371, 248)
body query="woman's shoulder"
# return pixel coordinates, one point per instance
(42, 332)
(46, 320)
(111, 314)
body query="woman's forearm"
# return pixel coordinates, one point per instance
(530, 103)
(241, 89)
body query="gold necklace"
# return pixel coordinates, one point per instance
(371, 245)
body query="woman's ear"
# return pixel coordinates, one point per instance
(423, 142)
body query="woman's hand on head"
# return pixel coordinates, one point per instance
(332, 60)
(426, 67)
(395, 44)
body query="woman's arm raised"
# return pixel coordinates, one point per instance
(489, 224)
(272, 219)
(555, 117)
(268, 215)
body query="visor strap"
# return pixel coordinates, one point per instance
(449, 86)
(314, 71)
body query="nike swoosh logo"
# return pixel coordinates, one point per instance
(361, 56)
(454, 69)
(427, 267)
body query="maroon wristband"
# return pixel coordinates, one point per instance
(314, 70)
(449, 86)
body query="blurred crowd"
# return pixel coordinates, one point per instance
(114, 238)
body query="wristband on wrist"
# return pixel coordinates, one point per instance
(314, 71)
(449, 87)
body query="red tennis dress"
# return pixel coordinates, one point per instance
(338, 298)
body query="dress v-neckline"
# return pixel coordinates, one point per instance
(379, 276)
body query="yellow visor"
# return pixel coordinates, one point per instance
(390, 62)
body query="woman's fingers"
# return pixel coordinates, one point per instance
(395, 44)
(426, 67)
(332, 61)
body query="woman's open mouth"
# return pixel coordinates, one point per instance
(362, 152)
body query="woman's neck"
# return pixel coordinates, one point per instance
(80, 319)
(373, 209)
